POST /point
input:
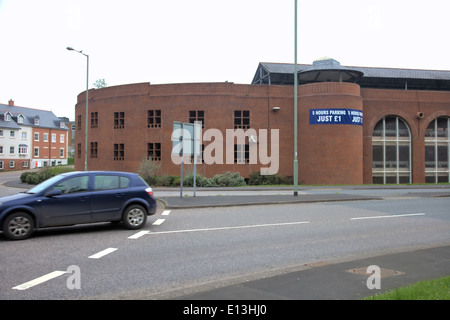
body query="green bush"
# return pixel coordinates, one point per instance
(149, 171)
(37, 176)
(228, 179)
(257, 179)
(167, 181)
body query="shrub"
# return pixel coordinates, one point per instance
(228, 179)
(149, 171)
(257, 179)
(167, 181)
(36, 177)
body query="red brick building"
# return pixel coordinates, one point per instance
(355, 125)
(31, 138)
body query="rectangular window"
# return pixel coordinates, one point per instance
(25, 164)
(23, 150)
(11, 164)
(119, 120)
(36, 152)
(12, 133)
(242, 119)
(53, 137)
(110, 182)
(61, 152)
(1, 133)
(1, 149)
(24, 135)
(154, 119)
(94, 119)
(94, 149)
(154, 151)
(62, 138)
(45, 137)
(11, 150)
(197, 115)
(119, 152)
(36, 136)
(79, 150)
(1, 164)
(79, 122)
(241, 153)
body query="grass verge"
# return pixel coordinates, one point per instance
(438, 289)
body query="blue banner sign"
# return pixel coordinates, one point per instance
(336, 116)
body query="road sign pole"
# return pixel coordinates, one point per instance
(182, 156)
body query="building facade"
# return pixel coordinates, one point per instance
(355, 125)
(31, 138)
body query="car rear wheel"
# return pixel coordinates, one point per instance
(134, 217)
(18, 226)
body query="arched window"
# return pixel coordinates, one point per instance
(391, 151)
(437, 151)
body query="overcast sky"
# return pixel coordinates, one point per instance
(180, 41)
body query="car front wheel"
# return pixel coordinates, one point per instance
(134, 217)
(18, 226)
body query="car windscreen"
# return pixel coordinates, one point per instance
(45, 184)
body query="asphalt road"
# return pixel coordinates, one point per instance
(185, 251)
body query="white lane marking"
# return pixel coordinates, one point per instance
(158, 222)
(138, 235)
(39, 280)
(230, 228)
(392, 216)
(165, 213)
(102, 253)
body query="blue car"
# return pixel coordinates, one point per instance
(75, 198)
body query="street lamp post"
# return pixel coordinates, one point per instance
(87, 102)
(295, 107)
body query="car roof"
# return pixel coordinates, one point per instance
(98, 172)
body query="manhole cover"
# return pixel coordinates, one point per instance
(384, 273)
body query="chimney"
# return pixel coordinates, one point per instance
(11, 102)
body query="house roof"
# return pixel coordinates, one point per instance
(390, 78)
(47, 119)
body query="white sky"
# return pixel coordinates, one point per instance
(180, 41)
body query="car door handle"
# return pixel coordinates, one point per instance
(118, 195)
(83, 198)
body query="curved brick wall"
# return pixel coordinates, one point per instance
(329, 153)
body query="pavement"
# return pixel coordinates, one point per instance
(346, 279)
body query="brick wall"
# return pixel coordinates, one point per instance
(328, 154)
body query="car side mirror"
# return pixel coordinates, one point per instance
(53, 193)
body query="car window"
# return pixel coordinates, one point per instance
(124, 182)
(72, 185)
(108, 182)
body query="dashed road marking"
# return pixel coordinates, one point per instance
(165, 213)
(158, 222)
(39, 280)
(103, 253)
(138, 235)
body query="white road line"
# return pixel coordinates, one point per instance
(102, 253)
(230, 228)
(392, 216)
(138, 235)
(158, 222)
(165, 213)
(39, 280)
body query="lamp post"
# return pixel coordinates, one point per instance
(295, 107)
(87, 101)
